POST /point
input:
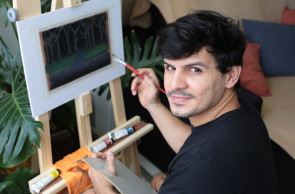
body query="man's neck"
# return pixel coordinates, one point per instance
(228, 103)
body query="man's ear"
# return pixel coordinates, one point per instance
(233, 76)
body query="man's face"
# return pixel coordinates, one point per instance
(194, 85)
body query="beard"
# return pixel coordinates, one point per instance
(177, 111)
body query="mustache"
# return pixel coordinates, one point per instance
(181, 92)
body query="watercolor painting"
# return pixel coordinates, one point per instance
(76, 49)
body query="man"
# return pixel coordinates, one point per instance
(226, 149)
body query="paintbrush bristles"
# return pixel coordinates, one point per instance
(118, 59)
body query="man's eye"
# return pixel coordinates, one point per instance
(194, 69)
(170, 68)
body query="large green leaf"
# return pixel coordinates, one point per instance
(3, 10)
(135, 59)
(141, 58)
(16, 122)
(9, 187)
(21, 177)
(25, 153)
(17, 182)
(45, 6)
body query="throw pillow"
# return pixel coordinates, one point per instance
(288, 16)
(277, 46)
(252, 76)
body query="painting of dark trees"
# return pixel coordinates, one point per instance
(76, 49)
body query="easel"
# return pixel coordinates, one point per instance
(128, 148)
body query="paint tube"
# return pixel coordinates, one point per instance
(39, 185)
(100, 146)
(121, 133)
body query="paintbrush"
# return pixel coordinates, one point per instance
(133, 69)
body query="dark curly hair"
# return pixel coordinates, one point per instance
(220, 35)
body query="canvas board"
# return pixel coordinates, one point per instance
(125, 181)
(67, 52)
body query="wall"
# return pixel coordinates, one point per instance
(264, 10)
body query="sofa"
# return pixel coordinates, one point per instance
(278, 112)
(269, 71)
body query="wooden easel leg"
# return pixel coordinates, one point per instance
(56, 4)
(83, 105)
(136, 164)
(45, 153)
(117, 101)
(27, 8)
(130, 154)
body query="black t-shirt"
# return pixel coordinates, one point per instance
(231, 154)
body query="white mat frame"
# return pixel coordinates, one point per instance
(41, 98)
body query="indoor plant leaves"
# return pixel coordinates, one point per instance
(141, 58)
(17, 182)
(138, 58)
(26, 151)
(4, 5)
(16, 121)
(9, 187)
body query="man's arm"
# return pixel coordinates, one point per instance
(172, 128)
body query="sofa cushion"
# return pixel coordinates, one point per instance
(252, 76)
(277, 46)
(288, 16)
(278, 112)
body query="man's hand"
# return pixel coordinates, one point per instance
(157, 182)
(146, 88)
(100, 183)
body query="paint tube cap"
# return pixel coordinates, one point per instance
(111, 136)
(108, 141)
(55, 173)
(130, 130)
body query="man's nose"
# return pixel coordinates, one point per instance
(178, 81)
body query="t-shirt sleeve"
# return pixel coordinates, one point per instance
(198, 177)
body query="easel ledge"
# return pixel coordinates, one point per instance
(60, 184)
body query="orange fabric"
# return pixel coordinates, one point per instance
(74, 171)
(252, 76)
(288, 16)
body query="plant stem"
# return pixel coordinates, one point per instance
(15, 32)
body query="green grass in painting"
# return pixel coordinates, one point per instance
(65, 63)
(94, 51)
(59, 66)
